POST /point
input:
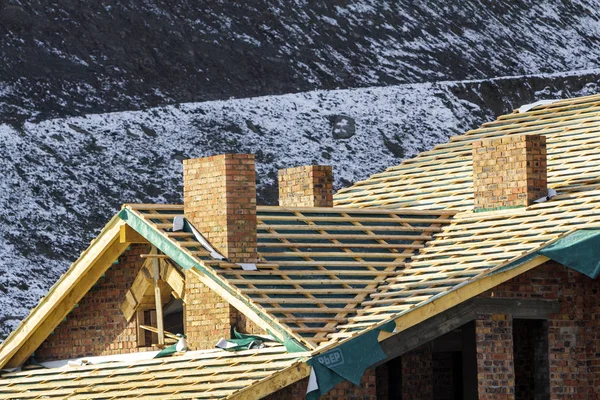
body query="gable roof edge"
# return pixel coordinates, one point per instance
(63, 295)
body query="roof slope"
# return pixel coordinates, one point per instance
(442, 178)
(327, 275)
(475, 244)
(317, 265)
(199, 374)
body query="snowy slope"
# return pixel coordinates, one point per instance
(71, 57)
(62, 179)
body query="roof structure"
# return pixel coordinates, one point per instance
(475, 244)
(401, 246)
(207, 374)
(317, 265)
(442, 177)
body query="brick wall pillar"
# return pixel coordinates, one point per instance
(208, 317)
(509, 171)
(417, 374)
(495, 360)
(219, 199)
(306, 186)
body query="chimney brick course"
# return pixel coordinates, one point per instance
(219, 197)
(509, 172)
(306, 186)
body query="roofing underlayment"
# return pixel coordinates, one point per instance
(398, 247)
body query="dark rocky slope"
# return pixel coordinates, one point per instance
(72, 57)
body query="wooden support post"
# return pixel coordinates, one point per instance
(154, 336)
(159, 313)
(141, 332)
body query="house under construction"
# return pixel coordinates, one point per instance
(467, 272)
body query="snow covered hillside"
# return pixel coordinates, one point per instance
(72, 57)
(62, 179)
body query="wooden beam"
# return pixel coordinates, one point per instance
(461, 314)
(155, 330)
(59, 303)
(128, 235)
(153, 323)
(129, 305)
(351, 210)
(157, 298)
(162, 256)
(173, 278)
(141, 333)
(449, 300)
(273, 382)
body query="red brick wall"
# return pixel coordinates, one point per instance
(306, 186)
(573, 332)
(209, 318)
(509, 171)
(417, 374)
(245, 325)
(495, 364)
(219, 197)
(342, 391)
(97, 326)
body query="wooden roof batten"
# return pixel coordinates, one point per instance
(317, 265)
(198, 374)
(157, 221)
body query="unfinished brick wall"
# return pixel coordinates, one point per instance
(245, 325)
(208, 317)
(495, 364)
(342, 391)
(417, 374)
(573, 332)
(97, 327)
(306, 186)
(219, 197)
(509, 171)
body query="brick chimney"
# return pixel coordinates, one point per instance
(219, 199)
(306, 186)
(509, 172)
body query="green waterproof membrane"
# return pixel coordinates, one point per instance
(579, 250)
(348, 361)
